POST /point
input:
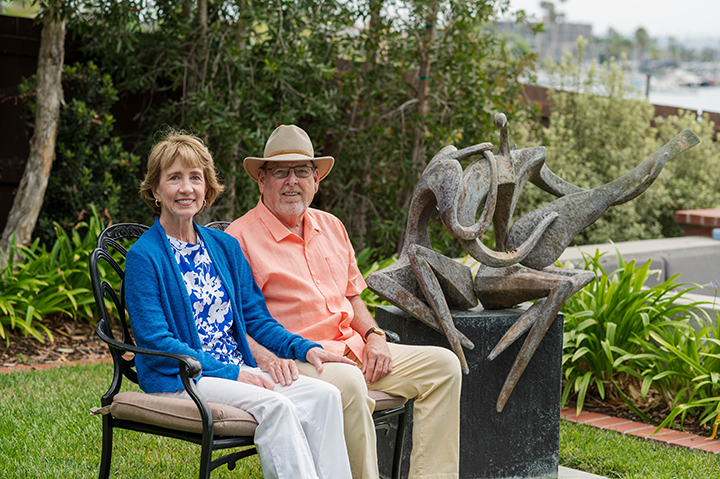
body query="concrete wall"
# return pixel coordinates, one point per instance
(695, 258)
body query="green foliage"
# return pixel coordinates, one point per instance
(683, 364)
(91, 166)
(346, 72)
(600, 129)
(47, 283)
(691, 181)
(607, 325)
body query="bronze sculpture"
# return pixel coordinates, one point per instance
(427, 285)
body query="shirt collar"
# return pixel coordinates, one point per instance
(278, 230)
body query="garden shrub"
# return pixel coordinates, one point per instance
(346, 72)
(600, 128)
(91, 167)
(49, 282)
(683, 364)
(607, 327)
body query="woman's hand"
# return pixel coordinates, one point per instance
(255, 380)
(282, 371)
(317, 356)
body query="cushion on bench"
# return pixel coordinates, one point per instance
(385, 401)
(181, 414)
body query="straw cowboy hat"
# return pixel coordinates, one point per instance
(288, 143)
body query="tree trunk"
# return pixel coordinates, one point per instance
(418, 154)
(371, 44)
(31, 192)
(242, 24)
(202, 17)
(186, 9)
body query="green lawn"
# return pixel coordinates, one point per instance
(46, 431)
(609, 454)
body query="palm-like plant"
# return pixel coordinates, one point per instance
(47, 283)
(606, 324)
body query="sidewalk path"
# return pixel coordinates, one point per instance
(567, 473)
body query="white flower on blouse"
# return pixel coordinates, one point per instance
(183, 251)
(202, 258)
(218, 310)
(209, 288)
(211, 307)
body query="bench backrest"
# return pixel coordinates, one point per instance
(109, 293)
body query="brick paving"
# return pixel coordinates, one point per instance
(643, 431)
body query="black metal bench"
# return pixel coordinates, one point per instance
(212, 426)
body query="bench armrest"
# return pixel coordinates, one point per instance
(189, 365)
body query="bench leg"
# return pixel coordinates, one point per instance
(106, 455)
(399, 440)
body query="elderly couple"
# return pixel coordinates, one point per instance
(271, 308)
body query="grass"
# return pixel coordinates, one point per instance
(609, 454)
(46, 431)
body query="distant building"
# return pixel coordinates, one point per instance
(558, 38)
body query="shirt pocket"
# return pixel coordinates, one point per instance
(338, 265)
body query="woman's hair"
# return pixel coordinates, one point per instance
(192, 152)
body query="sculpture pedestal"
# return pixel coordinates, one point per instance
(523, 440)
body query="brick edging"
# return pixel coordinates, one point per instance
(643, 431)
(43, 366)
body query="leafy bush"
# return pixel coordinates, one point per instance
(683, 364)
(47, 283)
(607, 327)
(600, 128)
(346, 72)
(91, 166)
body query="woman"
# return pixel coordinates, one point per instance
(190, 290)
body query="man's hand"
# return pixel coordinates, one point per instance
(377, 361)
(255, 380)
(317, 356)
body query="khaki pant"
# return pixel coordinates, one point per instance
(429, 374)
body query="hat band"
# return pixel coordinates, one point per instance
(285, 152)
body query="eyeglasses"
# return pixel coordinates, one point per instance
(284, 171)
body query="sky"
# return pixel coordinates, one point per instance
(661, 18)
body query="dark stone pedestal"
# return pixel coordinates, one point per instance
(523, 440)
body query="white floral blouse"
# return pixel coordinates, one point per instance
(209, 299)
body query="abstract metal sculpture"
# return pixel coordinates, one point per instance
(427, 285)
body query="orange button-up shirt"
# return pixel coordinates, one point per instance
(306, 282)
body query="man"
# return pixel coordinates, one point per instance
(304, 263)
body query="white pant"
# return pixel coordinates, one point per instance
(300, 427)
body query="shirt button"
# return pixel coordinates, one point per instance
(317, 281)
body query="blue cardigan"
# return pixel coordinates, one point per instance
(162, 317)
